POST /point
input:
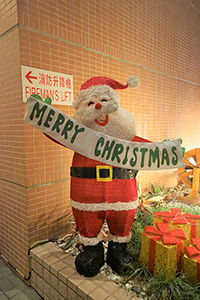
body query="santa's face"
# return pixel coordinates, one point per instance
(102, 112)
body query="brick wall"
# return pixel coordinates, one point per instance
(156, 40)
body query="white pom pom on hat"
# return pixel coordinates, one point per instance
(133, 82)
(91, 85)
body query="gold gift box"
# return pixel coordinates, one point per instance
(176, 219)
(165, 256)
(191, 262)
(190, 269)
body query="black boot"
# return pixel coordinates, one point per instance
(90, 261)
(118, 257)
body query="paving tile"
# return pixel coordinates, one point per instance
(20, 296)
(56, 251)
(12, 292)
(110, 298)
(5, 285)
(54, 293)
(99, 279)
(46, 275)
(41, 256)
(13, 287)
(48, 246)
(98, 294)
(47, 262)
(1, 262)
(110, 286)
(39, 269)
(85, 288)
(62, 288)
(35, 251)
(56, 267)
(14, 279)
(31, 294)
(54, 281)
(6, 270)
(121, 294)
(72, 295)
(40, 292)
(69, 260)
(74, 281)
(21, 286)
(40, 283)
(1, 274)
(3, 297)
(33, 278)
(65, 273)
(47, 290)
(60, 297)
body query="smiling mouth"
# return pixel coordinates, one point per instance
(102, 121)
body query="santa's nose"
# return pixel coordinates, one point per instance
(98, 105)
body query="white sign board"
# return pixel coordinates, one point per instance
(99, 146)
(45, 83)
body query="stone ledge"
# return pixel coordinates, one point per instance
(54, 277)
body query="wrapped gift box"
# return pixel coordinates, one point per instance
(190, 224)
(191, 262)
(162, 249)
(160, 215)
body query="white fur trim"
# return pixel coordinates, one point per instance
(133, 82)
(95, 91)
(117, 206)
(119, 239)
(91, 241)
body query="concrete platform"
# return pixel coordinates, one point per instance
(54, 277)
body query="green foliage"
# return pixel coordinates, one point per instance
(157, 189)
(70, 243)
(47, 100)
(186, 208)
(174, 288)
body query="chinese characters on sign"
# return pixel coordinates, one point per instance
(45, 83)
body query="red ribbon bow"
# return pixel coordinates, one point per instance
(174, 214)
(193, 252)
(171, 237)
(167, 214)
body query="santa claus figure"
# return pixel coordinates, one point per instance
(100, 192)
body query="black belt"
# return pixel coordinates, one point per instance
(103, 173)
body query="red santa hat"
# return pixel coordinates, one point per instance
(93, 86)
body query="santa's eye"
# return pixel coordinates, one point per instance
(104, 100)
(90, 103)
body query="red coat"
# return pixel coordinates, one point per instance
(93, 201)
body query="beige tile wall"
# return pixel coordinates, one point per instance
(155, 40)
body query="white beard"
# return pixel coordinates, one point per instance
(121, 123)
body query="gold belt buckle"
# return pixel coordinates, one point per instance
(104, 179)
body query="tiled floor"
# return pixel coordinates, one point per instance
(12, 287)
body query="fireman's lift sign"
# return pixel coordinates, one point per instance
(45, 83)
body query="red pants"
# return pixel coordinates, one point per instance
(93, 202)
